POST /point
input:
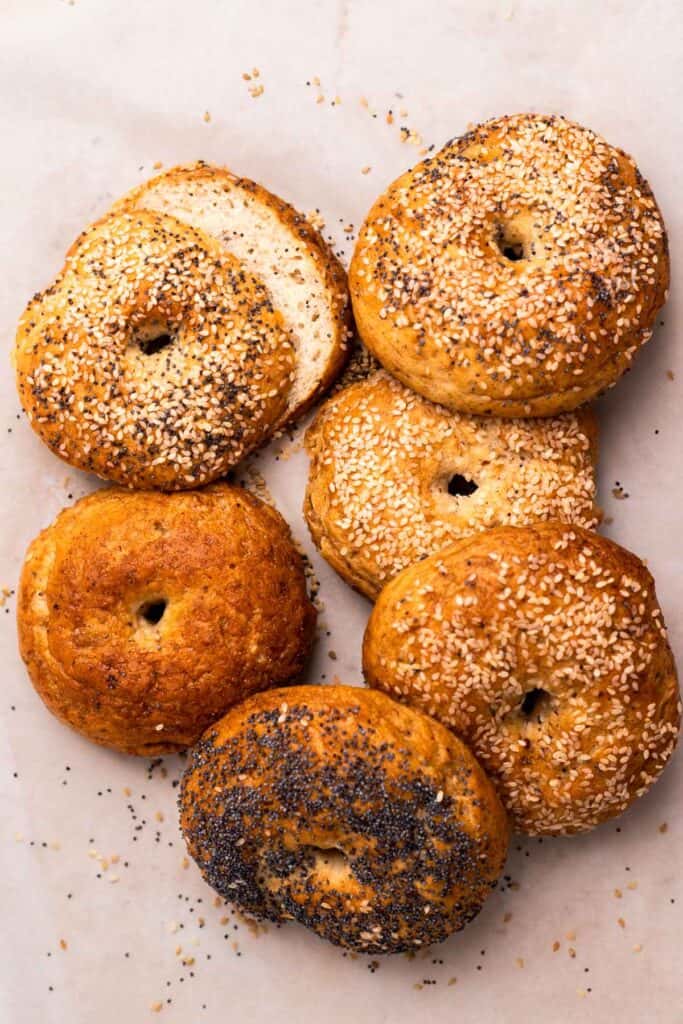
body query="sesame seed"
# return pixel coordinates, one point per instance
(508, 272)
(382, 459)
(176, 417)
(564, 688)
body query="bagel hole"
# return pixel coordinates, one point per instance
(153, 611)
(331, 858)
(535, 703)
(510, 244)
(513, 252)
(150, 346)
(460, 486)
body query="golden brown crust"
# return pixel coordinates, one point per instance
(440, 304)
(236, 617)
(360, 818)
(329, 269)
(544, 648)
(167, 419)
(382, 461)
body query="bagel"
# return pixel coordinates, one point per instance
(155, 360)
(144, 616)
(516, 272)
(366, 821)
(544, 648)
(394, 478)
(306, 282)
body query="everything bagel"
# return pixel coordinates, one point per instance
(515, 273)
(155, 360)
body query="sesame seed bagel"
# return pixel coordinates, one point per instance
(334, 806)
(155, 360)
(544, 648)
(395, 478)
(516, 272)
(144, 616)
(306, 282)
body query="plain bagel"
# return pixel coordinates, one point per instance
(143, 616)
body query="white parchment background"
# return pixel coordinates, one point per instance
(92, 95)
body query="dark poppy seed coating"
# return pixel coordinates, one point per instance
(336, 807)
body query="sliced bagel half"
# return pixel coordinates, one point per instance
(306, 282)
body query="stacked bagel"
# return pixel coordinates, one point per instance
(187, 325)
(519, 674)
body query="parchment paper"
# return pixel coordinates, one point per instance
(103, 918)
